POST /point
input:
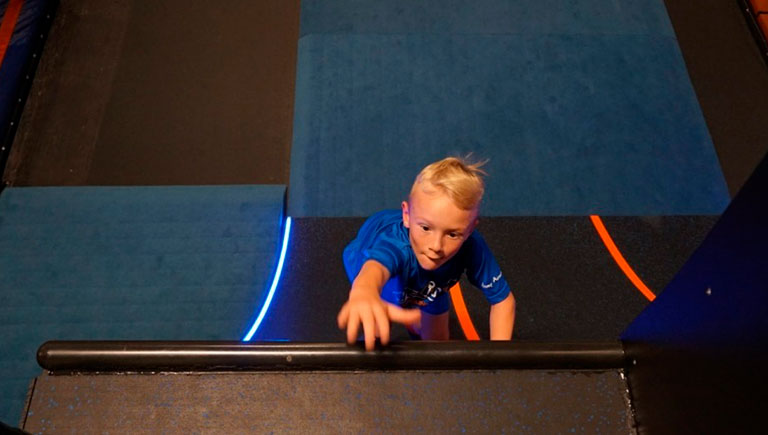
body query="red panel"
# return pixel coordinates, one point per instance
(7, 24)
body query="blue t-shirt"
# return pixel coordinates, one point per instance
(384, 238)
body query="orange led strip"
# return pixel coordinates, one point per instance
(461, 312)
(616, 254)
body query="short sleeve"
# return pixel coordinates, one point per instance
(380, 239)
(385, 252)
(483, 271)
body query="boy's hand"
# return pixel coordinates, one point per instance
(366, 306)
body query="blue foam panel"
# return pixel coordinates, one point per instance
(485, 17)
(718, 301)
(698, 350)
(595, 116)
(124, 263)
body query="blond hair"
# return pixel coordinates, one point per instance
(456, 177)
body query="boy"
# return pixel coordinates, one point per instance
(403, 262)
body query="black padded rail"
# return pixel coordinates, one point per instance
(186, 356)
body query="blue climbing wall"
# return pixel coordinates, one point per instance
(582, 107)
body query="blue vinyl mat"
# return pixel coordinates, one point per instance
(582, 107)
(131, 263)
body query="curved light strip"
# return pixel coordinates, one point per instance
(457, 299)
(276, 279)
(616, 254)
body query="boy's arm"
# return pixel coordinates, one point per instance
(366, 307)
(503, 318)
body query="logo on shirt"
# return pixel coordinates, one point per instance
(494, 280)
(425, 296)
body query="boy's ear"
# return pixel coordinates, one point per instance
(474, 224)
(406, 216)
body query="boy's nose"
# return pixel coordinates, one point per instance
(436, 244)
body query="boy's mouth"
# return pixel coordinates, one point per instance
(435, 261)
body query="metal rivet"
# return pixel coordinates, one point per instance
(288, 358)
(708, 292)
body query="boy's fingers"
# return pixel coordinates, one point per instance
(382, 323)
(369, 329)
(343, 316)
(402, 315)
(352, 327)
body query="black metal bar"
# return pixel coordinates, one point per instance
(184, 356)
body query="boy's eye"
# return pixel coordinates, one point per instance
(424, 227)
(453, 235)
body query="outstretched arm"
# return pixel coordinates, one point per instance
(503, 318)
(366, 307)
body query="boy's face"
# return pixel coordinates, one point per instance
(436, 226)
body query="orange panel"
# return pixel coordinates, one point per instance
(759, 5)
(762, 21)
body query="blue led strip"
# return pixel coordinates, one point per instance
(276, 279)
